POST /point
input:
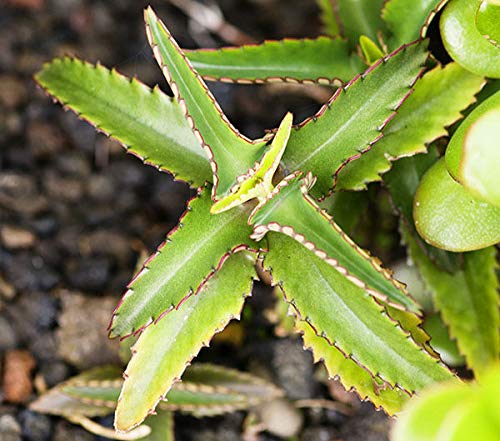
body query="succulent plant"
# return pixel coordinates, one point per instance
(259, 201)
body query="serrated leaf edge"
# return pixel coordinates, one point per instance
(335, 81)
(133, 80)
(182, 102)
(344, 89)
(260, 230)
(203, 344)
(192, 291)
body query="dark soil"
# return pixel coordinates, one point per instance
(77, 213)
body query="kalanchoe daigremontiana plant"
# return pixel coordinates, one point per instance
(258, 200)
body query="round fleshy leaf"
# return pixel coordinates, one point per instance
(454, 151)
(449, 217)
(465, 43)
(488, 21)
(481, 158)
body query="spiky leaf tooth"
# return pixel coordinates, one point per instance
(291, 211)
(434, 105)
(348, 318)
(449, 217)
(322, 60)
(464, 42)
(230, 153)
(328, 18)
(468, 302)
(352, 121)
(359, 17)
(351, 375)
(407, 20)
(147, 122)
(413, 325)
(163, 351)
(191, 254)
(402, 182)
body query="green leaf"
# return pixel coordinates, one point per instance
(351, 375)
(328, 19)
(481, 156)
(408, 20)
(454, 152)
(190, 256)
(442, 342)
(97, 387)
(465, 43)
(471, 156)
(322, 60)
(439, 97)
(488, 19)
(163, 351)
(371, 52)
(453, 412)
(206, 390)
(468, 302)
(162, 427)
(259, 184)
(230, 153)
(291, 211)
(146, 121)
(352, 121)
(402, 182)
(447, 216)
(349, 319)
(360, 17)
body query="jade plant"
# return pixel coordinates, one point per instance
(262, 204)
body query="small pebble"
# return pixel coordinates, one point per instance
(17, 381)
(35, 426)
(14, 237)
(10, 430)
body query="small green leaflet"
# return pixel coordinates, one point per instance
(258, 184)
